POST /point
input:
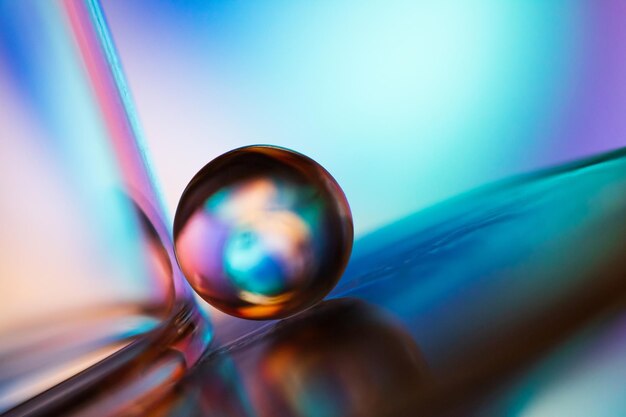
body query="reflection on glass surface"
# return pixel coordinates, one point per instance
(340, 358)
(85, 257)
(514, 293)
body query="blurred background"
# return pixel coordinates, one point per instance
(404, 102)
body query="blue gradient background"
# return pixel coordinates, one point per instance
(404, 102)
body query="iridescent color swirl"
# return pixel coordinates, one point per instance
(263, 232)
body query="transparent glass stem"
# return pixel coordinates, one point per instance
(93, 305)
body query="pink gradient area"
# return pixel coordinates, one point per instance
(202, 242)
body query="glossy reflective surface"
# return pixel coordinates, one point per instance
(342, 358)
(508, 301)
(513, 295)
(263, 232)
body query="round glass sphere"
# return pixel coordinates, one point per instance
(263, 232)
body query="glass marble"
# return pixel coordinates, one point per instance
(263, 232)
